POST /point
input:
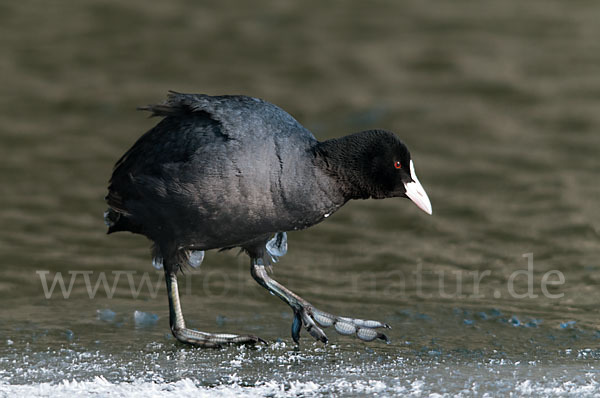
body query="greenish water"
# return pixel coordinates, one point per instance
(498, 102)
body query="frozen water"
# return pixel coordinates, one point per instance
(144, 319)
(106, 315)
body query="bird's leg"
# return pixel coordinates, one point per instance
(195, 337)
(306, 314)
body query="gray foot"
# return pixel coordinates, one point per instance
(305, 314)
(196, 337)
(312, 318)
(211, 340)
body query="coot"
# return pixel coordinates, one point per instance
(235, 171)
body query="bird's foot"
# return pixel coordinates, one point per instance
(312, 318)
(211, 340)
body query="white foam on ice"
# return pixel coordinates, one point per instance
(99, 386)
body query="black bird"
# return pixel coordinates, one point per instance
(235, 171)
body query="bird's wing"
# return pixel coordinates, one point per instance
(194, 122)
(171, 142)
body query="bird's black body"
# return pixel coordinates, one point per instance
(221, 172)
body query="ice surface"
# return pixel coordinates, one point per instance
(144, 319)
(106, 315)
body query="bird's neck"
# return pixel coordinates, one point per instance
(346, 159)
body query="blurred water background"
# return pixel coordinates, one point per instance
(498, 102)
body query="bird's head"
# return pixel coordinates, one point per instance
(375, 164)
(393, 174)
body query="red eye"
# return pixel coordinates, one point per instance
(398, 165)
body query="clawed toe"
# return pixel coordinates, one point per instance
(250, 340)
(312, 328)
(214, 340)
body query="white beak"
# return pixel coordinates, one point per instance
(416, 193)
